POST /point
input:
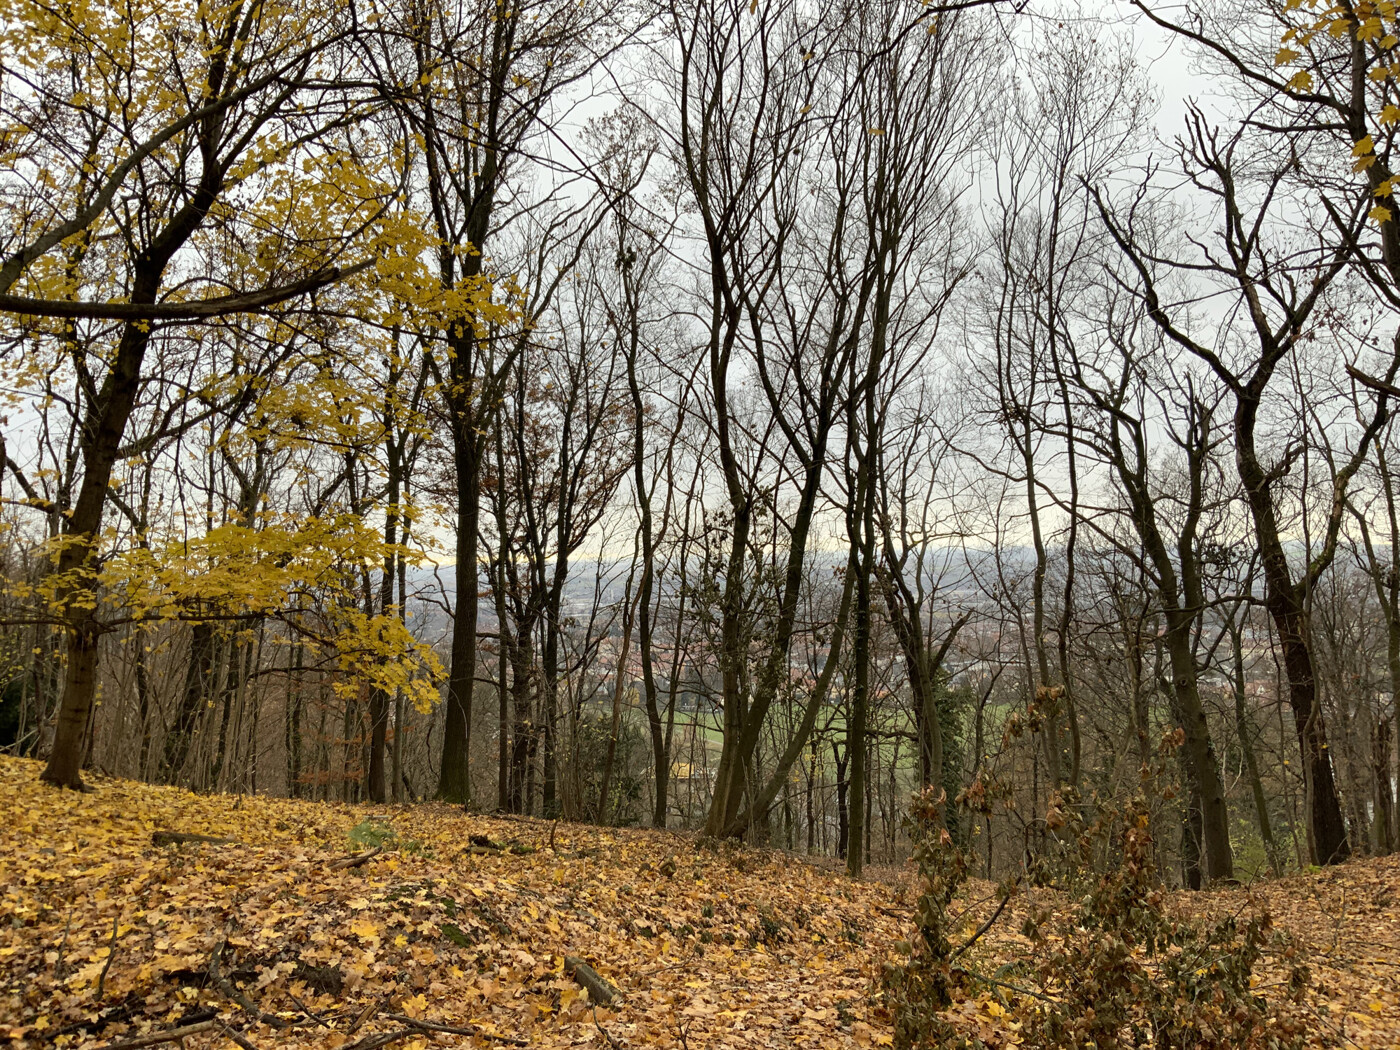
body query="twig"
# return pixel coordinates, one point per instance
(986, 925)
(232, 992)
(437, 1026)
(373, 1042)
(111, 953)
(175, 838)
(238, 1037)
(355, 861)
(369, 1011)
(60, 971)
(1002, 984)
(170, 1035)
(308, 1011)
(552, 829)
(606, 1034)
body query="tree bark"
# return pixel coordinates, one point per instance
(454, 781)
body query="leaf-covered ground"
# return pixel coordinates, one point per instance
(263, 941)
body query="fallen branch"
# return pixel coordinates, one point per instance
(606, 1034)
(371, 1008)
(989, 923)
(111, 953)
(238, 1037)
(170, 1035)
(231, 991)
(355, 861)
(437, 1026)
(176, 838)
(60, 969)
(599, 990)
(307, 1011)
(373, 1042)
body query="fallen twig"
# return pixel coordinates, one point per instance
(437, 1026)
(355, 861)
(232, 992)
(977, 936)
(60, 970)
(368, 1012)
(308, 1011)
(170, 1035)
(173, 838)
(238, 1037)
(372, 1042)
(111, 952)
(606, 1034)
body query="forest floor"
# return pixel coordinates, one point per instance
(288, 935)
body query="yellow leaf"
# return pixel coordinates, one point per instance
(1285, 55)
(1301, 81)
(1363, 147)
(1380, 213)
(1390, 115)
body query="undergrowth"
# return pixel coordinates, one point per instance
(1113, 971)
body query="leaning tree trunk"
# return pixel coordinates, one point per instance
(1208, 789)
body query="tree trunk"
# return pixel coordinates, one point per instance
(1385, 795)
(1326, 826)
(454, 780)
(79, 685)
(619, 684)
(199, 682)
(143, 698)
(1202, 768)
(295, 701)
(860, 693)
(1251, 763)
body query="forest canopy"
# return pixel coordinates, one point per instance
(711, 414)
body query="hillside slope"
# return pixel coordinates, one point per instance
(275, 939)
(730, 947)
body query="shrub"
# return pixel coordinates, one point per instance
(1114, 971)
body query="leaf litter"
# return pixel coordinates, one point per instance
(351, 927)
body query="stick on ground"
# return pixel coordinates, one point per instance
(356, 860)
(170, 1035)
(175, 838)
(436, 1026)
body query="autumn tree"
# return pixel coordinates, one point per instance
(473, 84)
(141, 173)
